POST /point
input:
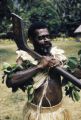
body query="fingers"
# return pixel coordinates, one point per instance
(53, 63)
(48, 61)
(44, 62)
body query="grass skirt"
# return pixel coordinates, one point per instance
(57, 112)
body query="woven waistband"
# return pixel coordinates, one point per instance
(45, 109)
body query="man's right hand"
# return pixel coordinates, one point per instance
(48, 61)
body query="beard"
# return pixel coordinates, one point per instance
(43, 49)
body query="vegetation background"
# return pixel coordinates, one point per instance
(62, 16)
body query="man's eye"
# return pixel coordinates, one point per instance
(40, 37)
(43, 37)
(47, 36)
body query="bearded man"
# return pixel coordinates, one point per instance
(44, 81)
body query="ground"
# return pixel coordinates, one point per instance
(73, 107)
(11, 104)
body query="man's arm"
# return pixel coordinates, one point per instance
(21, 77)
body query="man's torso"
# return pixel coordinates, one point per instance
(53, 91)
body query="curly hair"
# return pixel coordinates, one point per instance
(33, 27)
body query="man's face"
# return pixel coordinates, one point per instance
(42, 41)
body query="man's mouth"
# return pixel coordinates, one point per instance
(48, 44)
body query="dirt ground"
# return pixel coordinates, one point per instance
(73, 107)
(11, 104)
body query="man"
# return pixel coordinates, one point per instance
(46, 102)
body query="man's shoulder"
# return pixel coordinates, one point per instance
(56, 49)
(25, 56)
(58, 53)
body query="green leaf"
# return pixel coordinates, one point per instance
(30, 92)
(80, 59)
(76, 96)
(30, 98)
(30, 89)
(72, 62)
(6, 71)
(72, 91)
(6, 65)
(79, 52)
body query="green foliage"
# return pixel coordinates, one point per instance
(30, 92)
(70, 88)
(9, 70)
(79, 53)
(72, 62)
(6, 65)
(58, 14)
(72, 91)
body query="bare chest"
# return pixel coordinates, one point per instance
(50, 91)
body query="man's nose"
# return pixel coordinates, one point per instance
(46, 39)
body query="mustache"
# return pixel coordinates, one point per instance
(45, 48)
(46, 45)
